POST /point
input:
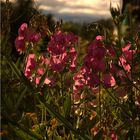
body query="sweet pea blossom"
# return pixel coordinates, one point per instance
(99, 38)
(50, 81)
(33, 37)
(127, 53)
(34, 70)
(60, 42)
(113, 136)
(123, 62)
(125, 59)
(72, 58)
(57, 63)
(20, 43)
(80, 81)
(108, 80)
(95, 63)
(62, 51)
(25, 35)
(23, 29)
(30, 65)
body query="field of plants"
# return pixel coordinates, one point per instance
(62, 86)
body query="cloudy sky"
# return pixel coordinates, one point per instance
(77, 10)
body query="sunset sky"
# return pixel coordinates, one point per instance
(77, 10)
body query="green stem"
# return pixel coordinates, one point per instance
(62, 86)
(100, 109)
(79, 135)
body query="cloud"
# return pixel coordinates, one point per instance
(77, 17)
(76, 8)
(52, 3)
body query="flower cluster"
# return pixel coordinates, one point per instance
(62, 54)
(35, 68)
(126, 57)
(62, 51)
(25, 35)
(106, 69)
(94, 65)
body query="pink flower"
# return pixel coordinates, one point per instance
(57, 45)
(95, 48)
(88, 60)
(99, 52)
(23, 29)
(40, 71)
(32, 36)
(92, 80)
(37, 80)
(127, 53)
(126, 48)
(108, 80)
(126, 58)
(57, 63)
(47, 81)
(60, 42)
(99, 38)
(123, 63)
(25, 35)
(30, 66)
(20, 44)
(71, 38)
(96, 54)
(79, 81)
(113, 136)
(99, 65)
(62, 51)
(73, 58)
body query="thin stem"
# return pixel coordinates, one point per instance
(100, 110)
(62, 86)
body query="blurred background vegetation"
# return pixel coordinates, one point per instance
(14, 14)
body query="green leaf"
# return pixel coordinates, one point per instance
(20, 98)
(20, 75)
(14, 68)
(27, 82)
(24, 131)
(43, 79)
(21, 134)
(57, 137)
(67, 105)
